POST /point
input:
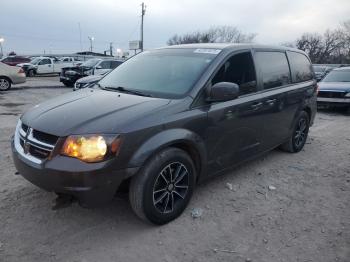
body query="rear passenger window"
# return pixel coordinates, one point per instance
(300, 67)
(274, 69)
(238, 69)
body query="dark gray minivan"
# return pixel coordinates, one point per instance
(165, 120)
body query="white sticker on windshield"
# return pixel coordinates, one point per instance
(207, 51)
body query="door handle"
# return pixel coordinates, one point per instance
(271, 102)
(256, 106)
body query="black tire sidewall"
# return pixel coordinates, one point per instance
(152, 170)
(304, 115)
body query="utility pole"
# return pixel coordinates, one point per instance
(91, 38)
(111, 48)
(143, 11)
(81, 46)
(2, 51)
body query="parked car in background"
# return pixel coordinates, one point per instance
(321, 71)
(334, 89)
(44, 65)
(87, 81)
(166, 119)
(10, 75)
(14, 60)
(95, 66)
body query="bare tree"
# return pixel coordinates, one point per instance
(218, 34)
(327, 48)
(312, 44)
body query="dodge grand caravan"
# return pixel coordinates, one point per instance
(165, 120)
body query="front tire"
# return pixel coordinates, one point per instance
(31, 73)
(298, 138)
(68, 84)
(5, 84)
(161, 191)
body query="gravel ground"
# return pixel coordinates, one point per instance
(281, 207)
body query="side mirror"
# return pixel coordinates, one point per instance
(98, 67)
(223, 91)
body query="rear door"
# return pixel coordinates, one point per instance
(235, 127)
(281, 97)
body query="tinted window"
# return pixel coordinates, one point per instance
(274, 69)
(168, 73)
(105, 65)
(114, 64)
(239, 69)
(300, 66)
(45, 62)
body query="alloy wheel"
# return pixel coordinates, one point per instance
(300, 132)
(170, 187)
(4, 84)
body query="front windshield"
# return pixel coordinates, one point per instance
(90, 63)
(337, 76)
(166, 73)
(35, 61)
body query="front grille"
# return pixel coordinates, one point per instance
(36, 143)
(331, 94)
(47, 138)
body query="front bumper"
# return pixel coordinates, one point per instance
(333, 101)
(91, 183)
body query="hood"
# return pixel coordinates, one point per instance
(90, 111)
(25, 64)
(89, 79)
(336, 86)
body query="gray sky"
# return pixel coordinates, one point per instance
(37, 25)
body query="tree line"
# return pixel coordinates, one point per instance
(331, 47)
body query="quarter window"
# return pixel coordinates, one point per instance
(274, 69)
(238, 69)
(300, 66)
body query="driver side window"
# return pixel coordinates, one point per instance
(238, 69)
(45, 62)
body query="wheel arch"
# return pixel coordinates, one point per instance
(183, 139)
(7, 78)
(307, 109)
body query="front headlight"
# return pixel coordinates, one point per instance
(348, 94)
(91, 148)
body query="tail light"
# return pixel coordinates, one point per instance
(21, 71)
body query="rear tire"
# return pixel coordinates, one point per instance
(5, 84)
(161, 191)
(300, 131)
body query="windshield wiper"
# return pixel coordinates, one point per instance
(124, 90)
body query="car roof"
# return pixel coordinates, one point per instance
(233, 46)
(345, 68)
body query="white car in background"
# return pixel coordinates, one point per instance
(45, 65)
(10, 75)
